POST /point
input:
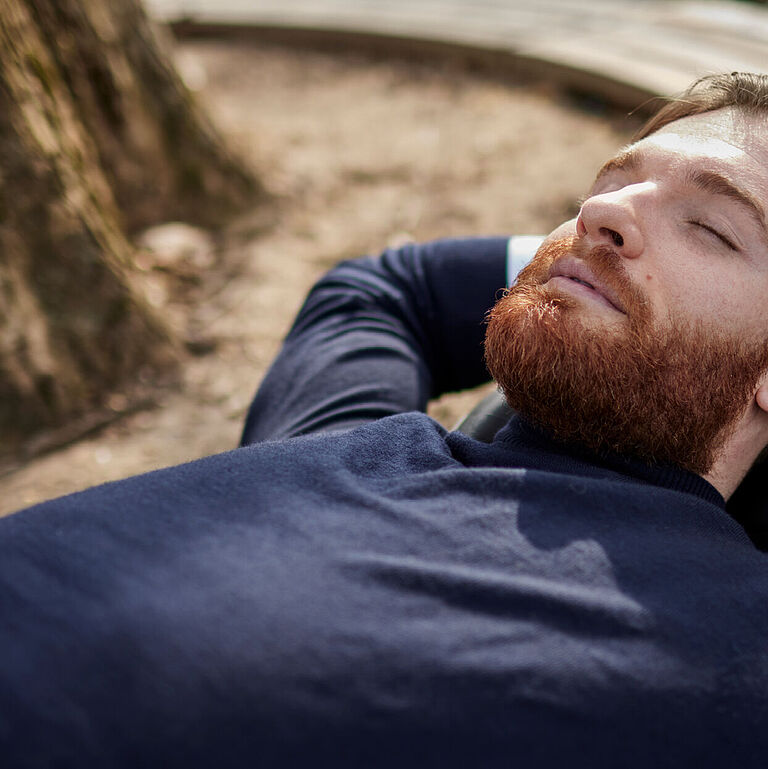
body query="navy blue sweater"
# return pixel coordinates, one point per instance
(360, 588)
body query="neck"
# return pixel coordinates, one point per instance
(724, 483)
(738, 454)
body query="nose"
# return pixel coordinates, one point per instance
(612, 218)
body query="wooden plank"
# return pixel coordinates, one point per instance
(604, 45)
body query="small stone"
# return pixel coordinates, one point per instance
(102, 455)
(174, 243)
(117, 402)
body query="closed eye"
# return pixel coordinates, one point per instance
(716, 233)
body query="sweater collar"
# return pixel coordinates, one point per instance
(519, 431)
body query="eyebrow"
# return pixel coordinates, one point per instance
(710, 182)
(626, 160)
(717, 184)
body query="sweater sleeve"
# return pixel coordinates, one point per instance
(382, 335)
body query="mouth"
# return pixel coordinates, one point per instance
(578, 280)
(576, 277)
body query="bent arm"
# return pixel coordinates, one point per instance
(382, 335)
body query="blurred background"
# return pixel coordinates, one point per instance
(175, 176)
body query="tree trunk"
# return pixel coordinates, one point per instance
(97, 136)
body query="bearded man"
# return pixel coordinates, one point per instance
(358, 587)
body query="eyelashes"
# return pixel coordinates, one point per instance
(717, 234)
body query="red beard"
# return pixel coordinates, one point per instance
(668, 393)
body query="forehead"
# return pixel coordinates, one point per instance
(724, 140)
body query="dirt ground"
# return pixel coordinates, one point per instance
(359, 155)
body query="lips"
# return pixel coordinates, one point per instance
(580, 273)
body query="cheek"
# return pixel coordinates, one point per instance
(685, 283)
(717, 301)
(565, 230)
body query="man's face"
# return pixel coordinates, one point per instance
(641, 326)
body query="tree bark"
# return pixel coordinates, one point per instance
(97, 137)
(159, 152)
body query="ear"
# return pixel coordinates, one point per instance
(761, 396)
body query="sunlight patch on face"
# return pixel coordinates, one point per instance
(710, 147)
